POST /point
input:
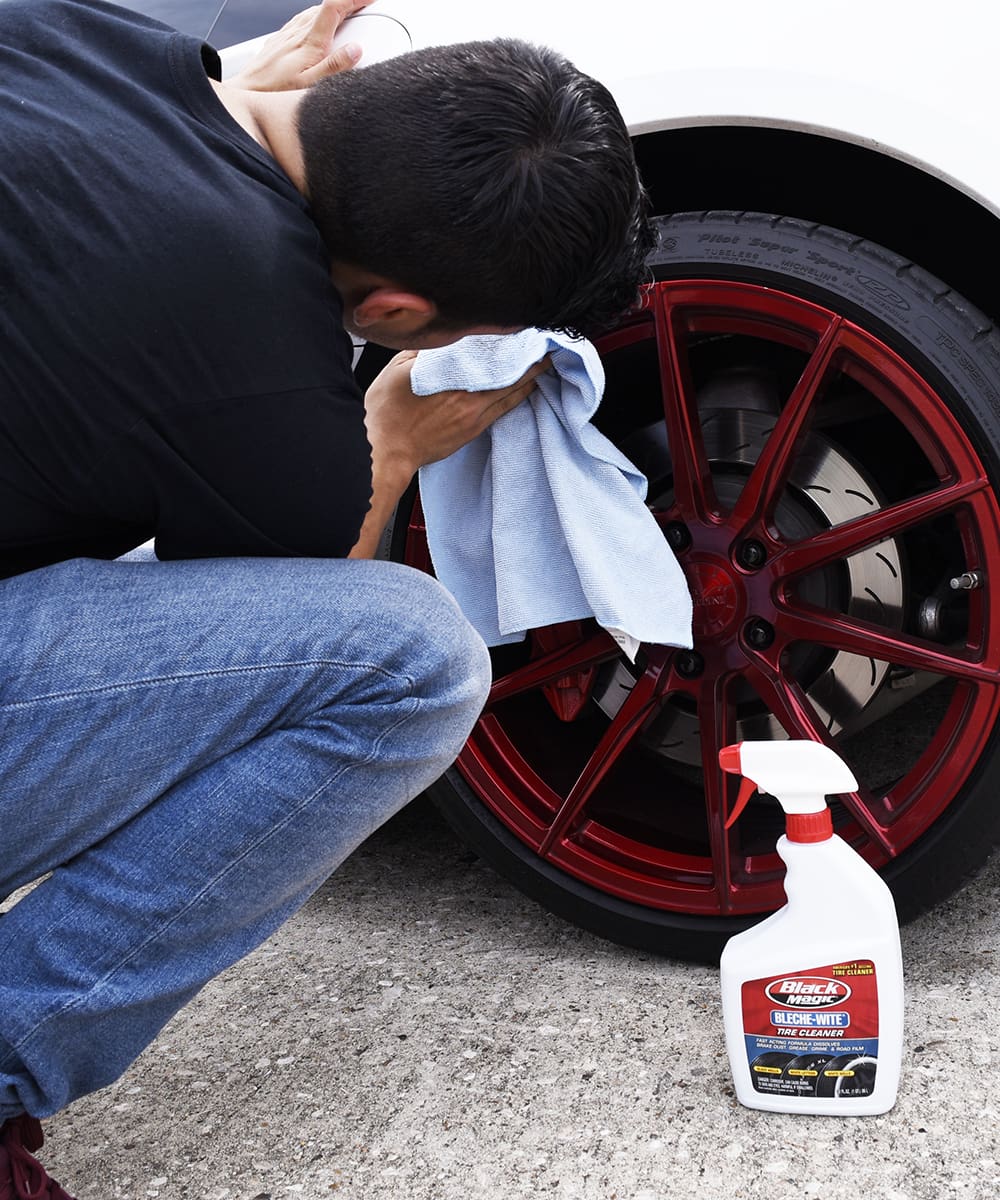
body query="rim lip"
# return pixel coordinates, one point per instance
(647, 875)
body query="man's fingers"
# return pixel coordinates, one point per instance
(532, 373)
(503, 400)
(341, 59)
(526, 384)
(300, 20)
(329, 17)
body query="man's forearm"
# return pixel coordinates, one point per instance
(386, 494)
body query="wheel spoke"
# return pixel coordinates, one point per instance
(694, 493)
(762, 491)
(566, 660)
(851, 537)
(785, 699)
(717, 723)
(616, 740)
(838, 632)
(797, 716)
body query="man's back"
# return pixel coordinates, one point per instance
(171, 356)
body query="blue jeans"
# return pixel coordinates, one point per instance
(192, 748)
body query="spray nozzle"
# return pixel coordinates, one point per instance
(799, 774)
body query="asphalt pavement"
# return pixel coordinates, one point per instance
(422, 1031)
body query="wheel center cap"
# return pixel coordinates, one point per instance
(717, 599)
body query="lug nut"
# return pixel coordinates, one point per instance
(689, 664)
(751, 555)
(678, 537)
(759, 633)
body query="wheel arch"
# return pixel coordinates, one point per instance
(832, 182)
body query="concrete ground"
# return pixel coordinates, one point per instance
(422, 1031)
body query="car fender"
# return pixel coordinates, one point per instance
(915, 85)
(942, 143)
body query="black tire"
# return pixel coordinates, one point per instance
(956, 349)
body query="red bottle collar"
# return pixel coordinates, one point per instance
(809, 827)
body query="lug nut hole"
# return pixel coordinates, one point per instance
(751, 555)
(759, 634)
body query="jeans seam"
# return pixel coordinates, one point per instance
(157, 680)
(275, 829)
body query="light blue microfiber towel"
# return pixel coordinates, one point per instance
(541, 518)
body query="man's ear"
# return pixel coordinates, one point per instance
(389, 307)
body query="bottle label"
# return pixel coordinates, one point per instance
(813, 1032)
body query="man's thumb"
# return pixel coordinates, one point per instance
(341, 59)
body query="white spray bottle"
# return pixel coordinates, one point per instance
(812, 997)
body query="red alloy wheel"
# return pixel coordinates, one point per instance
(817, 489)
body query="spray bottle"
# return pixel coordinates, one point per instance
(812, 997)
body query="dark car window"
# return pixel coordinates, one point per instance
(189, 16)
(221, 22)
(243, 19)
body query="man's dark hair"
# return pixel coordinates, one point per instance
(494, 178)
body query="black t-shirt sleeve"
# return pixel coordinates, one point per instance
(262, 476)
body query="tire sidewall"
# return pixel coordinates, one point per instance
(946, 339)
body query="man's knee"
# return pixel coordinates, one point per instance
(446, 654)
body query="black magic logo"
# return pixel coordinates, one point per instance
(807, 991)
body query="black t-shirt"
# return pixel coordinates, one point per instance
(172, 359)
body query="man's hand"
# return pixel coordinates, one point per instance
(412, 431)
(299, 54)
(407, 432)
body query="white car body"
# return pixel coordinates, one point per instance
(915, 82)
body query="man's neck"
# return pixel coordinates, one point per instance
(269, 118)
